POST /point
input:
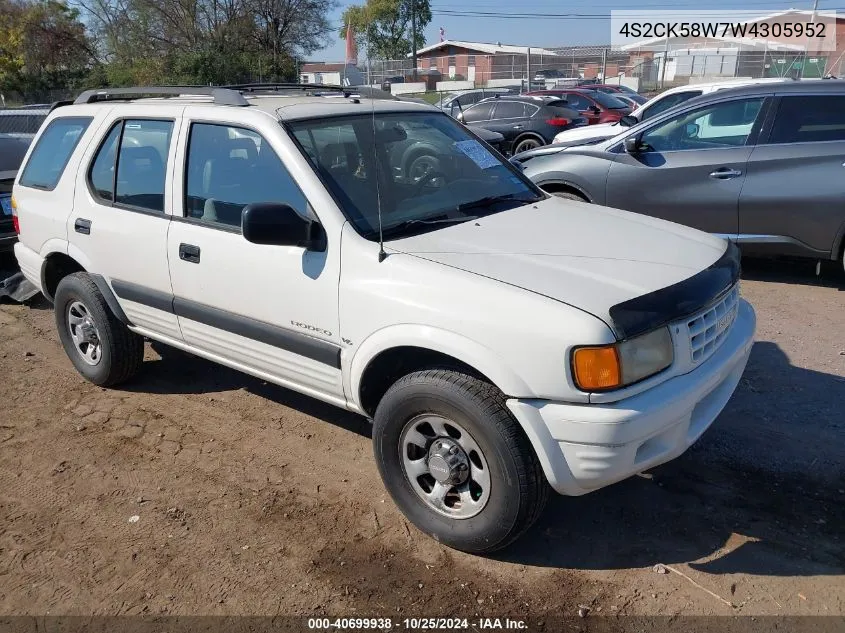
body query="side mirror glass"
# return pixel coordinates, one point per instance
(277, 224)
(629, 120)
(633, 145)
(460, 116)
(691, 130)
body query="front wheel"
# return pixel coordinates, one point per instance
(456, 462)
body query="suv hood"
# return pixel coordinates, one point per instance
(590, 257)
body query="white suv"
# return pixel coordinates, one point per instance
(504, 342)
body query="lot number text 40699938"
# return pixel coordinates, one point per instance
(416, 624)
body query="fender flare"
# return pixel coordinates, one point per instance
(111, 299)
(466, 350)
(566, 183)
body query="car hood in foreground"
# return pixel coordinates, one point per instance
(590, 257)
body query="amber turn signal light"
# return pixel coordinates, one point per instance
(597, 368)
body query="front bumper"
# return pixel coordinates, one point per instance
(584, 447)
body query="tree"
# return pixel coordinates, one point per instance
(384, 26)
(43, 47)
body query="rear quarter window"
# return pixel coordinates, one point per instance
(52, 152)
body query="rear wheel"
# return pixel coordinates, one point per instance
(101, 348)
(525, 144)
(456, 462)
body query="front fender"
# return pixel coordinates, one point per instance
(480, 357)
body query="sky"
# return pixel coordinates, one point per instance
(589, 27)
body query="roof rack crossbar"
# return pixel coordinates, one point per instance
(221, 96)
(270, 87)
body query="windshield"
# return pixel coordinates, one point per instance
(423, 169)
(608, 101)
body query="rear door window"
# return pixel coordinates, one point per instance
(809, 119)
(141, 164)
(509, 110)
(52, 152)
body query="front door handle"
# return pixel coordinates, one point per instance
(518, 127)
(724, 173)
(82, 226)
(189, 253)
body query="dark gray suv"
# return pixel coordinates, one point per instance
(763, 165)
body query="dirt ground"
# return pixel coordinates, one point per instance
(199, 490)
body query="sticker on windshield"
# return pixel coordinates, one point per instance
(476, 152)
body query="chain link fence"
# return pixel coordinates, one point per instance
(645, 71)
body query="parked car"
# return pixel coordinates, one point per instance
(653, 107)
(12, 152)
(22, 122)
(490, 331)
(613, 89)
(525, 122)
(596, 107)
(627, 100)
(771, 178)
(453, 103)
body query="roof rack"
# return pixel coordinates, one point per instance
(278, 87)
(221, 96)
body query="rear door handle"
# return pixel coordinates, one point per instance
(724, 173)
(189, 253)
(82, 226)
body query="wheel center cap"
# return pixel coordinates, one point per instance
(447, 462)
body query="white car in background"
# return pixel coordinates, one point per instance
(660, 103)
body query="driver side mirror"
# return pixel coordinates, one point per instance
(629, 120)
(633, 145)
(460, 116)
(691, 130)
(277, 224)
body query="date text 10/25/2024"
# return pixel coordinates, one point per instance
(414, 624)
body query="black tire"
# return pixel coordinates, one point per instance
(569, 195)
(121, 352)
(519, 490)
(527, 143)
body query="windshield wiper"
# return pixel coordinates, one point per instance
(491, 200)
(401, 227)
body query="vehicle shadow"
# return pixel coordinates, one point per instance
(794, 271)
(177, 372)
(763, 491)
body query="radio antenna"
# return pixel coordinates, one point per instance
(381, 254)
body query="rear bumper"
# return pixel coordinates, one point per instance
(30, 263)
(584, 447)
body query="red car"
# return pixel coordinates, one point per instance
(595, 106)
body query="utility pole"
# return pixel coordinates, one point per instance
(414, 35)
(528, 70)
(604, 65)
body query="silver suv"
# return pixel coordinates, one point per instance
(761, 165)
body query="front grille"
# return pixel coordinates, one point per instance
(709, 329)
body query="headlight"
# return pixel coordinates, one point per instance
(621, 364)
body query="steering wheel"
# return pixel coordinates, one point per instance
(425, 179)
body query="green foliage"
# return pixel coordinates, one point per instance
(384, 26)
(48, 47)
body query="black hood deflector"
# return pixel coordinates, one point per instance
(647, 312)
